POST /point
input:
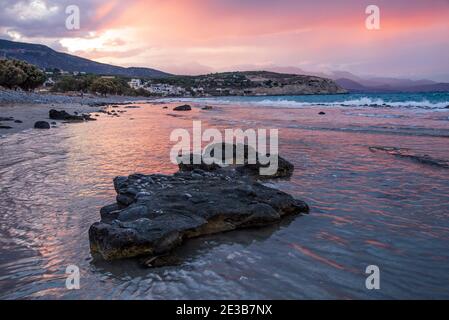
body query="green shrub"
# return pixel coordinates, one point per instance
(71, 83)
(117, 86)
(16, 73)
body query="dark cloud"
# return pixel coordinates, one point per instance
(46, 18)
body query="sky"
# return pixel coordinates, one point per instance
(203, 36)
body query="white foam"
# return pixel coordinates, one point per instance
(286, 103)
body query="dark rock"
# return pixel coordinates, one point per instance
(155, 213)
(132, 107)
(88, 117)
(5, 127)
(284, 170)
(18, 121)
(207, 108)
(42, 125)
(184, 107)
(6, 119)
(174, 115)
(321, 113)
(63, 115)
(53, 123)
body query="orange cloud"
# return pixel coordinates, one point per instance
(221, 34)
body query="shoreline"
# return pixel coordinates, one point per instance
(14, 97)
(20, 110)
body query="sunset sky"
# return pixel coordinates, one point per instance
(201, 36)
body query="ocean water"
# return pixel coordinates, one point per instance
(375, 177)
(436, 100)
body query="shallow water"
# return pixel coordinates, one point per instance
(366, 208)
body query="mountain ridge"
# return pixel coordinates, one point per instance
(46, 58)
(354, 86)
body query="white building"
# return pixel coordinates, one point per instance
(164, 89)
(135, 83)
(197, 90)
(49, 82)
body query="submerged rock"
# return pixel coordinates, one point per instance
(155, 213)
(207, 108)
(411, 155)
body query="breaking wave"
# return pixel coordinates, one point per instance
(421, 101)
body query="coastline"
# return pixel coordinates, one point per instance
(20, 110)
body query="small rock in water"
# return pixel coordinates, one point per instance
(321, 112)
(207, 108)
(18, 121)
(63, 115)
(5, 127)
(184, 107)
(42, 125)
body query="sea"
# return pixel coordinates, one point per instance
(374, 169)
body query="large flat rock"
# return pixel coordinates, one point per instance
(155, 213)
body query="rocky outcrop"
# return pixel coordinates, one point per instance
(64, 115)
(155, 213)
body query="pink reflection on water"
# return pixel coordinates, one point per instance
(316, 257)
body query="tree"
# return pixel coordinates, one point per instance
(103, 86)
(111, 86)
(71, 83)
(11, 76)
(16, 73)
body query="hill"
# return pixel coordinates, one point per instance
(354, 86)
(45, 57)
(254, 83)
